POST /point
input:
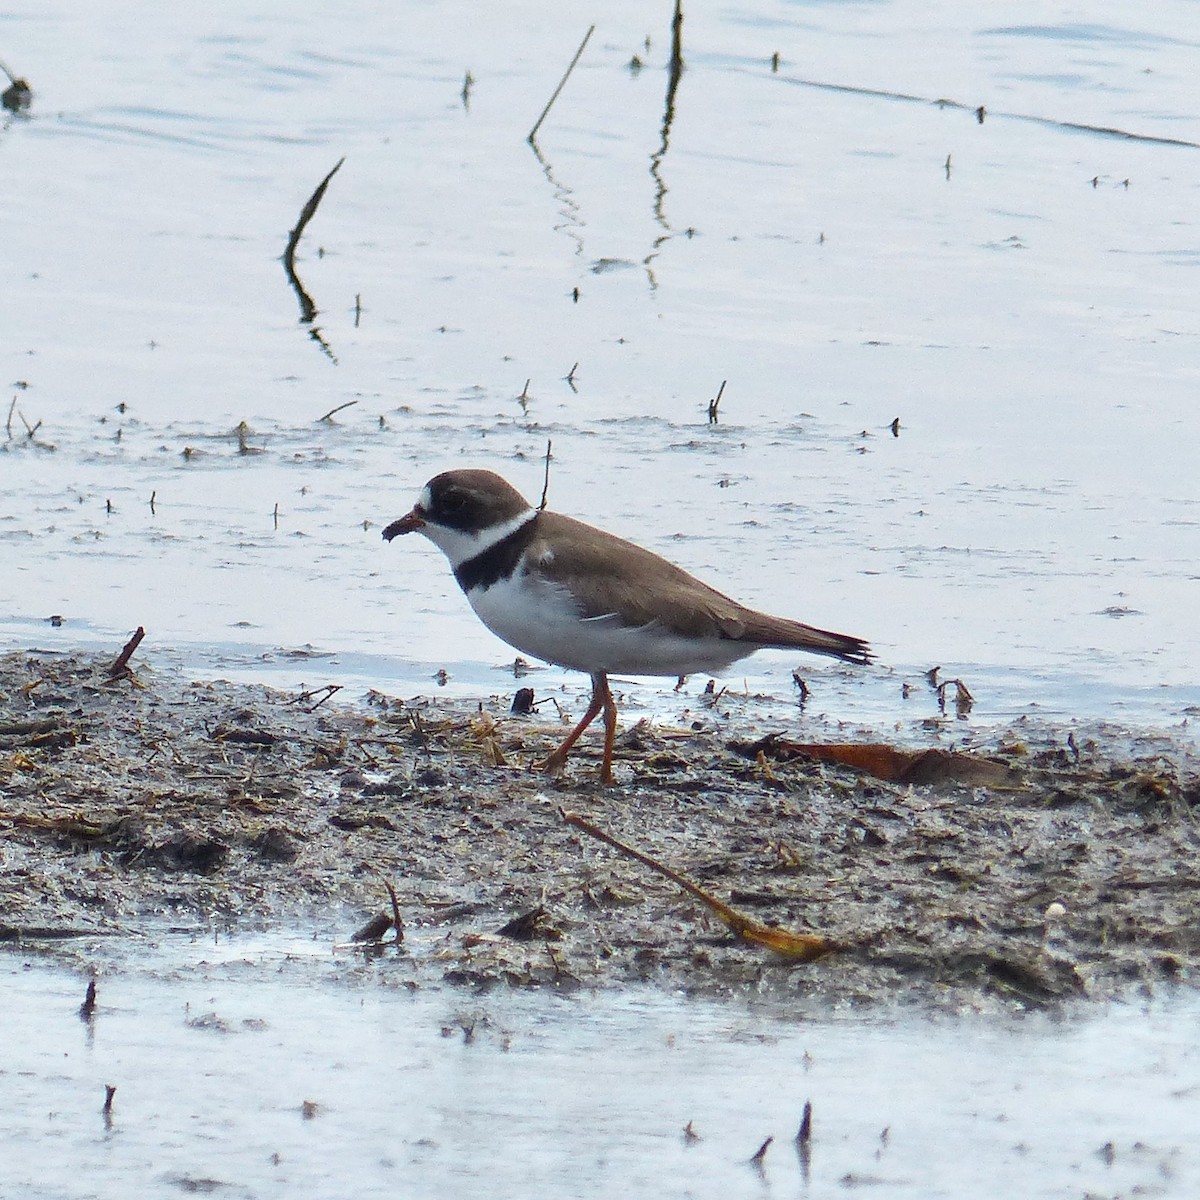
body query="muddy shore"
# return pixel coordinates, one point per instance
(1063, 870)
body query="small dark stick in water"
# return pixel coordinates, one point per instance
(715, 403)
(532, 138)
(804, 1141)
(306, 215)
(676, 62)
(338, 409)
(88, 1008)
(804, 1133)
(546, 480)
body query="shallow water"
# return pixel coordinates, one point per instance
(1028, 314)
(214, 1049)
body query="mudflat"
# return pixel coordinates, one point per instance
(1050, 866)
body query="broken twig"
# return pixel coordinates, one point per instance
(121, 665)
(715, 403)
(348, 404)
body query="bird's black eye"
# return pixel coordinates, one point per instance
(453, 502)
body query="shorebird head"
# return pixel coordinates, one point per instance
(463, 513)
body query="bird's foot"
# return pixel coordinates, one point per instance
(557, 762)
(553, 765)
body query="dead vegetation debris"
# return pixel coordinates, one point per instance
(1058, 865)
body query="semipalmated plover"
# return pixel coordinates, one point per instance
(578, 597)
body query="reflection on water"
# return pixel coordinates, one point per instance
(674, 74)
(256, 1069)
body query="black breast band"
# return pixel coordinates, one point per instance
(496, 562)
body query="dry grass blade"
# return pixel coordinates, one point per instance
(802, 946)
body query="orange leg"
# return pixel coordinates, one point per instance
(601, 699)
(610, 733)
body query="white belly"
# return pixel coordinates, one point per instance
(541, 619)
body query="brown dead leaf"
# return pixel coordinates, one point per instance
(891, 764)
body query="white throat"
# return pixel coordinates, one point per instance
(459, 546)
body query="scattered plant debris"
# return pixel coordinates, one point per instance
(1036, 865)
